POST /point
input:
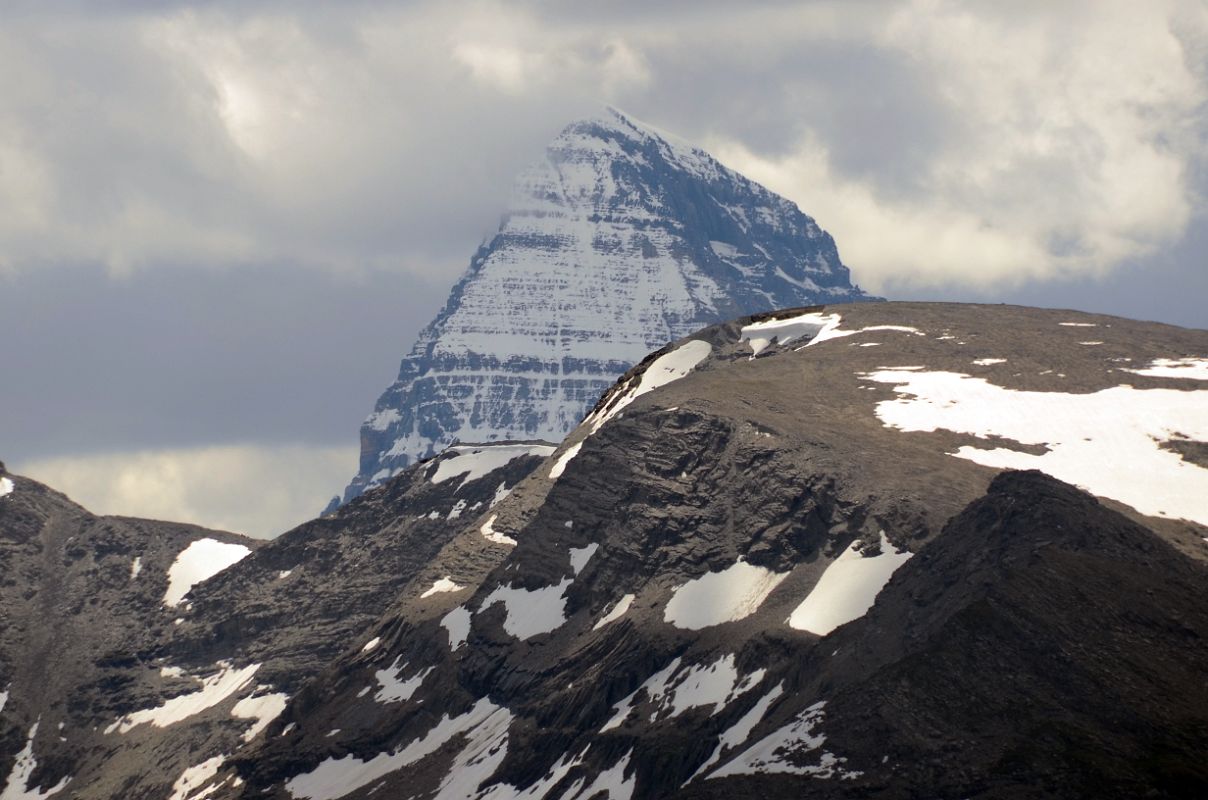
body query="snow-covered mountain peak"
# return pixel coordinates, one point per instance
(620, 240)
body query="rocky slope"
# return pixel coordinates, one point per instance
(83, 599)
(118, 684)
(782, 557)
(622, 239)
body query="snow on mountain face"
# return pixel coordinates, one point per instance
(620, 241)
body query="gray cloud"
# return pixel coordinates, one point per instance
(189, 357)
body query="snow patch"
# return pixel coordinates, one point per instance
(985, 362)
(1078, 324)
(717, 597)
(816, 325)
(781, 751)
(847, 589)
(579, 556)
(136, 566)
(1195, 369)
(675, 689)
(616, 612)
(195, 776)
(214, 690)
(473, 462)
(530, 611)
(394, 688)
(17, 786)
(1107, 442)
(491, 535)
(444, 584)
(740, 731)
(262, 708)
(457, 623)
(611, 782)
(501, 491)
(201, 560)
(372, 643)
(665, 369)
(555, 472)
(336, 777)
(6, 486)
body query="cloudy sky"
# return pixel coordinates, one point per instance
(222, 223)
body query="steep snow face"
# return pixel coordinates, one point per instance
(619, 241)
(202, 559)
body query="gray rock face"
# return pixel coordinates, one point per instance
(621, 240)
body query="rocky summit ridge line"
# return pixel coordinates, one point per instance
(620, 240)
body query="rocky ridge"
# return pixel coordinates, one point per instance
(782, 556)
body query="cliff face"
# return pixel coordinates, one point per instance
(621, 240)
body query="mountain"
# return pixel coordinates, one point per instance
(124, 675)
(887, 550)
(622, 239)
(781, 558)
(85, 601)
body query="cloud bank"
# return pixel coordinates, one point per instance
(943, 143)
(259, 491)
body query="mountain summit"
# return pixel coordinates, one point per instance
(620, 240)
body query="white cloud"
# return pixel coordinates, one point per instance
(1078, 129)
(943, 143)
(259, 490)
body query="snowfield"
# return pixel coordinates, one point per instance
(847, 589)
(1108, 442)
(716, 597)
(201, 560)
